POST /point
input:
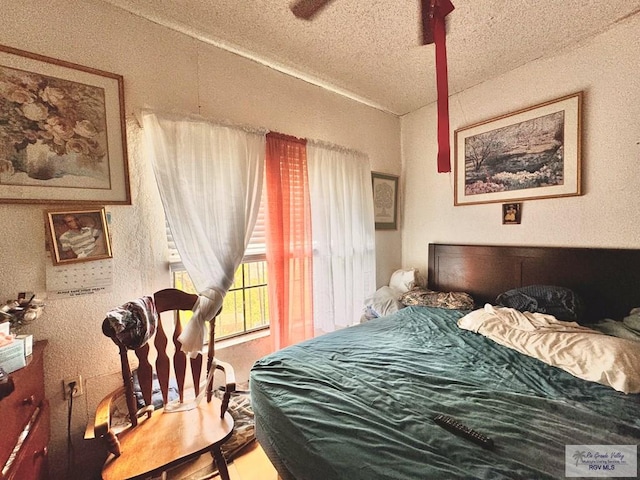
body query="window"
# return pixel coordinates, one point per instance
(246, 306)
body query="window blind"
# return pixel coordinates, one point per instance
(256, 250)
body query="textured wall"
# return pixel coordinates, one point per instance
(162, 70)
(607, 215)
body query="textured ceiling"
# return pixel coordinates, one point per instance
(369, 50)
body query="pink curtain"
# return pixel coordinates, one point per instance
(289, 243)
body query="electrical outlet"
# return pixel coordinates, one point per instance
(77, 387)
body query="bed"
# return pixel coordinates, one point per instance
(359, 403)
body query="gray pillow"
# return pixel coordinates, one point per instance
(561, 302)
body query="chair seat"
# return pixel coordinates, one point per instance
(168, 439)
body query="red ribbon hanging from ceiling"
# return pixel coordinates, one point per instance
(436, 11)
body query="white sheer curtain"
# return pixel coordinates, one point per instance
(343, 230)
(210, 179)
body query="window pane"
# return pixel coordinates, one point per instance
(182, 281)
(230, 321)
(246, 304)
(255, 274)
(256, 307)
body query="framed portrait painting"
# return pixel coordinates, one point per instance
(385, 200)
(62, 132)
(78, 235)
(528, 154)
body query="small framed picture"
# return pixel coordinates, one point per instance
(511, 213)
(78, 235)
(385, 200)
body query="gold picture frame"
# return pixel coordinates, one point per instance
(63, 138)
(528, 154)
(78, 235)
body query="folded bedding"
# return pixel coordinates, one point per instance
(581, 351)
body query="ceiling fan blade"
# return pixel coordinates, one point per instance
(306, 9)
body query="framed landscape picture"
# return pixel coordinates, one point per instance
(385, 200)
(528, 154)
(62, 132)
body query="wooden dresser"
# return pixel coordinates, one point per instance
(24, 421)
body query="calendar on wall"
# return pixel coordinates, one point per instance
(87, 278)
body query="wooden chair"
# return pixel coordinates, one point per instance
(158, 440)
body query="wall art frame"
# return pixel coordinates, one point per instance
(511, 213)
(528, 154)
(385, 200)
(63, 138)
(80, 235)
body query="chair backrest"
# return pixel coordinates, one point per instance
(167, 345)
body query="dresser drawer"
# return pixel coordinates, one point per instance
(32, 460)
(17, 408)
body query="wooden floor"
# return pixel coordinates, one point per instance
(252, 465)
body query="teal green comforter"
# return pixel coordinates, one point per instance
(358, 404)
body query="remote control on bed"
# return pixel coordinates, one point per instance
(458, 428)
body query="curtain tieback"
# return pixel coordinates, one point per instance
(206, 308)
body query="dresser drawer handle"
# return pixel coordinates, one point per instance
(30, 400)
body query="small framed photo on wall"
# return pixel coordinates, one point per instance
(78, 235)
(511, 213)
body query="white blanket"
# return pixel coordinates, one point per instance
(581, 351)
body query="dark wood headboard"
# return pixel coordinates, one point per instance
(607, 280)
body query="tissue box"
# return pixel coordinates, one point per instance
(12, 356)
(28, 343)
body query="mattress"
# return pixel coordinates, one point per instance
(358, 404)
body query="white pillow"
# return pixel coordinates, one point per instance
(404, 280)
(384, 301)
(581, 351)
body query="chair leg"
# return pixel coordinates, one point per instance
(221, 463)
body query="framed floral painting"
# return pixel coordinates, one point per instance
(62, 132)
(528, 154)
